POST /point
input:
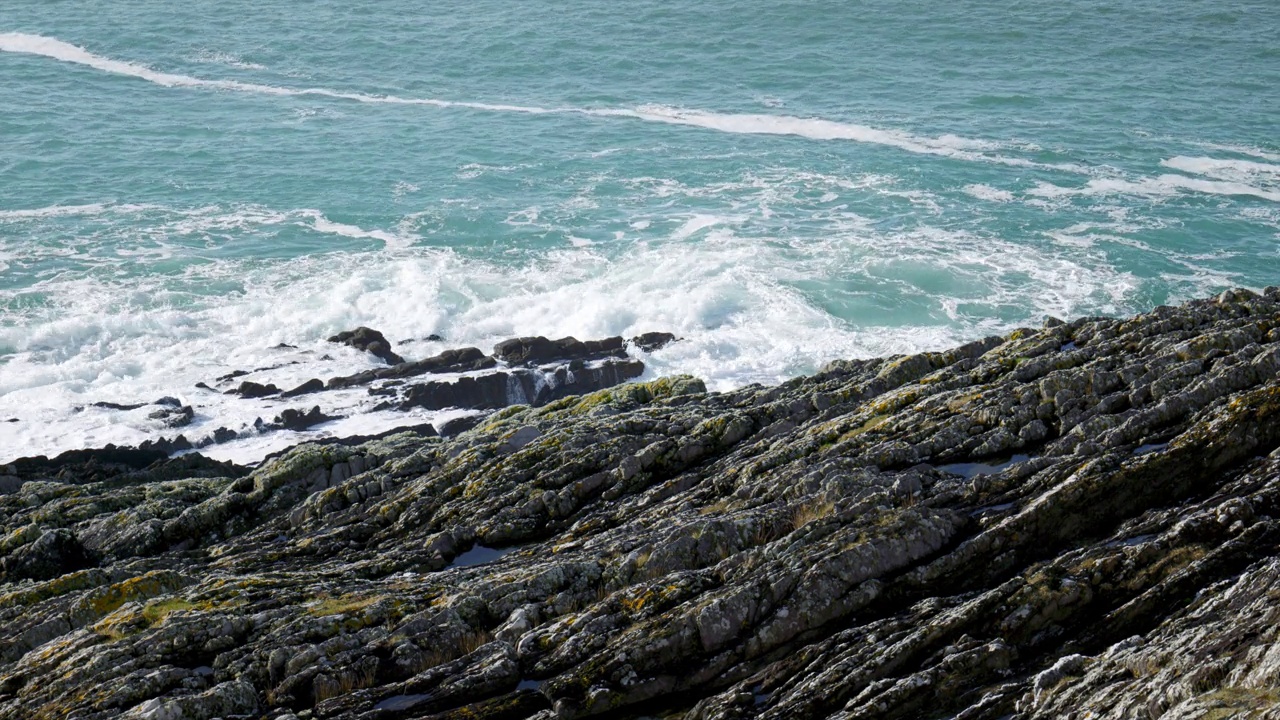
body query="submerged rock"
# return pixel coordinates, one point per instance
(250, 389)
(174, 417)
(292, 419)
(651, 341)
(310, 386)
(1076, 521)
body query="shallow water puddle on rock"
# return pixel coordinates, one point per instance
(400, 702)
(991, 509)
(534, 685)
(1129, 542)
(968, 470)
(1154, 447)
(479, 555)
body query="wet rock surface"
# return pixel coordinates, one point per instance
(1076, 521)
(370, 341)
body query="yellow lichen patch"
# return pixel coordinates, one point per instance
(157, 611)
(637, 599)
(639, 393)
(120, 623)
(59, 586)
(1176, 560)
(960, 402)
(144, 587)
(871, 424)
(342, 605)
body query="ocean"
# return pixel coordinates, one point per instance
(184, 187)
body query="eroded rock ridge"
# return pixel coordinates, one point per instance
(1067, 522)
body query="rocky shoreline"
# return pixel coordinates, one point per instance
(1072, 521)
(521, 371)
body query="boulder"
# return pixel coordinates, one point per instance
(53, 553)
(310, 386)
(651, 341)
(539, 350)
(370, 341)
(250, 389)
(459, 425)
(292, 419)
(174, 417)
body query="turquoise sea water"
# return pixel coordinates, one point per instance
(185, 185)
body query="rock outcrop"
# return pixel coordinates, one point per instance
(370, 341)
(1067, 522)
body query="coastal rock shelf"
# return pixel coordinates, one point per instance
(521, 371)
(1077, 520)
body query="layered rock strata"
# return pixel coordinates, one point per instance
(521, 371)
(1068, 522)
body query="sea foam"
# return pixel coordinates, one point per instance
(744, 307)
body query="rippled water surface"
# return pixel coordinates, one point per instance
(184, 186)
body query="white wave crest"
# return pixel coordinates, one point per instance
(1231, 170)
(1160, 186)
(749, 311)
(986, 192)
(751, 124)
(52, 211)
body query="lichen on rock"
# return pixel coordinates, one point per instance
(1071, 521)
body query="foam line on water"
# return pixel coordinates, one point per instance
(1160, 186)
(66, 52)
(1244, 150)
(821, 129)
(749, 124)
(51, 211)
(1248, 171)
(986, 192)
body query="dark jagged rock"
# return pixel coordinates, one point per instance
(450, 361)
(292, 419)
(86, 465)
(174, 416)
(310, 386)
(520, 386)
(370, 341)
(117, 406)
(53, 554)
(233, 375)
(651, 341)
(222, 435)
(459, 425)
(1077, 521)
(168, 446)
(430, 338)
(541, 351)
(250, 389)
